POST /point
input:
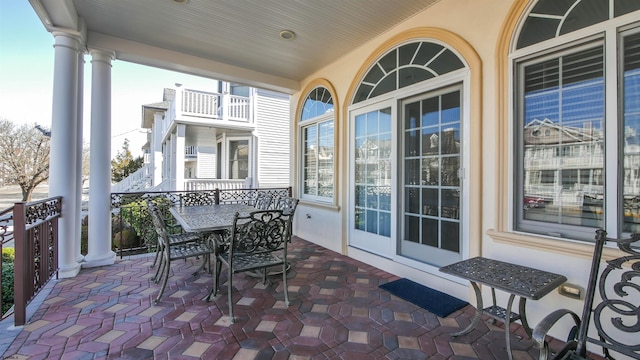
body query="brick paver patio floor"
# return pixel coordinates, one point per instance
(336, 312)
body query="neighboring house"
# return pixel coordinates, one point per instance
(236, 136)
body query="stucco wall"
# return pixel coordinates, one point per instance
(480, 24)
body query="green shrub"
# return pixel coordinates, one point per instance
(7, 284)
(8, 255)
(125, 239)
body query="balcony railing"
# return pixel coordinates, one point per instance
(212, 184)
(33, 229)
(190, 152)
(202, 106)
(139, 180)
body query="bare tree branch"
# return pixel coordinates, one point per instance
(25, 153)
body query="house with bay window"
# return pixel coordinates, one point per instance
(432, 132)
(232, 136)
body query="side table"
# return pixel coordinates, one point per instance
(517, 280)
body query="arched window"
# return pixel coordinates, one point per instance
(318, 149)
(549, 19)
(407, 65)
(576, 89)
(406, 154)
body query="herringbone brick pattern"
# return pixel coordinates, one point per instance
(336, 312)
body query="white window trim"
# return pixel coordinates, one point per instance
(302, 124)
(224, 168)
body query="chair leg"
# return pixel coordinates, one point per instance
(284, 282)
(166, 278)
(216, 278)
(159, 270)
(155, 260)
(230, 296)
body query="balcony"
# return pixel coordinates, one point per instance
(208, 108)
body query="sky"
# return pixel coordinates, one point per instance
(26, 80)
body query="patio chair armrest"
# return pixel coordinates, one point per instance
(540, 331)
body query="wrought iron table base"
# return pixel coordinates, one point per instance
(516, 280)
(499, 313)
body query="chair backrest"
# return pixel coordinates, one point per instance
(158, 223)
(617, 316)
(263, 201)
(287, 204)
(260, 231)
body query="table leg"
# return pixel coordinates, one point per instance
(478, 316)
(507, 325)
(523, 316)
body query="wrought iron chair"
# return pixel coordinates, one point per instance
(170, 247)
(287, 204)
(616, 317)
(257, 241)
(263, 201)
(174, 238)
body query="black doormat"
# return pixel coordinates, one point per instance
(427, 298)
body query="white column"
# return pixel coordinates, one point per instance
(99, 247)
(79, 148)
(179, 146)
(62, 169)
(156, 149)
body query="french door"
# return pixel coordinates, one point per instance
(372, 199)
(430, 230)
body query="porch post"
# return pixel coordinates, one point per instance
(179, 163)
(62, 169)
(79, 147)
(99, 247)
(156, 149)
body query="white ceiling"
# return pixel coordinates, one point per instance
(233, 40)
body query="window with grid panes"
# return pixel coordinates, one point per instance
(569, 101)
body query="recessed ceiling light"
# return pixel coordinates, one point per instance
(287, 34)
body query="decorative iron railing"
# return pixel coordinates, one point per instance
(132, 229)
(33, 229)
(6, 262)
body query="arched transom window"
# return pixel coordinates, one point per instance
(553, 18)
(406, 65)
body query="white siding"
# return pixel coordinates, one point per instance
(206, 162)
(272, 133)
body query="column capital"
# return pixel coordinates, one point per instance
(69, 40)
(101, 55)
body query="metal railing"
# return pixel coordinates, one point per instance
(33, 229)
(132, 229)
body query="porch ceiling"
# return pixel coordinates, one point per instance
(230, 40)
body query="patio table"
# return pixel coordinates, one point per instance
(517, 280)
(208, 218)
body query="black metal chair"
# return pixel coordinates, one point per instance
(263, 201)
(170, 247)
(257, 241)
(616, 317)
(174, 238)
